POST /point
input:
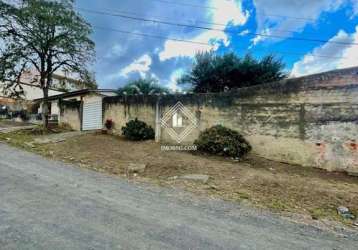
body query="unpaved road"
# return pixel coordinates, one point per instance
(49, 205)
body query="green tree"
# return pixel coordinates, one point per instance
(46, 35)
(143, 86)
(217, 73)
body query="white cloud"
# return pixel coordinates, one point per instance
(173, 85)
(350, 55)
(258, 39)
(116, 51)
(140, 65)
(223, 12)
(228, 11)
(338, 55)
(179, 49)
(244, 32)
(274, 14)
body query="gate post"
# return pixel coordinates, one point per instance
(157, 120)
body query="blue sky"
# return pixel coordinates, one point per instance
(259, 27)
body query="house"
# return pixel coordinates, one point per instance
(29, 83)
(83, 107)
(31, 92)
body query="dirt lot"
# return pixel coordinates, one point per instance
(281, 187)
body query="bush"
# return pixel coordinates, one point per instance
(137, 130)
(219, 140)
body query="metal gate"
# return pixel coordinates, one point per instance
(92, 115)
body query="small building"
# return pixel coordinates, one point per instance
(81, 109)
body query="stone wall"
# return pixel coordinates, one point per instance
(310, 121)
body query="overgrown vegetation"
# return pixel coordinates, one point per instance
(222, 141)
(218, 73)
(143, 86)
(137, 130)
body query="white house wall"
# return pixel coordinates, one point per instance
(32, 92)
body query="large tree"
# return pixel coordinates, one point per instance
(143, 86)
(49, 36)
(217, 73)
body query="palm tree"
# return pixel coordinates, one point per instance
(143, 86)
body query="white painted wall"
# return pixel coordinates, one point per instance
(32, 92)
(55, 109)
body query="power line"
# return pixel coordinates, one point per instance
(209, 45)
(141, 14)
(215, 8)
(212, 29)
(153, 36)
(188, 20)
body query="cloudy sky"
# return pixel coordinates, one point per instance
(309, 35)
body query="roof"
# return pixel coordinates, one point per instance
(79, 93)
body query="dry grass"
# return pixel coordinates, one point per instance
(278, 186)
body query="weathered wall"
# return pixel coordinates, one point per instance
(123, 109)
(311, 121)
(70, 114)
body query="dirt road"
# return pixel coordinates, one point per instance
(49, 205)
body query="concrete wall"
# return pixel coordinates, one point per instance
(311, 121)
(123, 109)
(70, 114)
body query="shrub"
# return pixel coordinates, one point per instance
(109, 124)
(137, 130)
(219, 140)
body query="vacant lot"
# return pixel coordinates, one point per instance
(280, 187)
